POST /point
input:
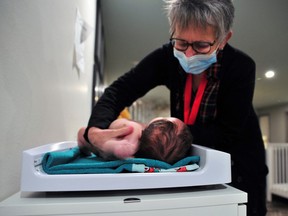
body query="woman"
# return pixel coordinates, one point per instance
(211, 89)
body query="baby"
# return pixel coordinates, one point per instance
(165, 139)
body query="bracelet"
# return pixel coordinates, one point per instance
(86, 135)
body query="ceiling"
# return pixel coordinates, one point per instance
(133, 28)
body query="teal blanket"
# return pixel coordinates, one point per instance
(73, 162)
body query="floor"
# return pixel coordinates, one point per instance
(278, 207)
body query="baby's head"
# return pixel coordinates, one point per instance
(165, 139)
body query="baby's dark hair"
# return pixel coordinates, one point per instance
(163, 140)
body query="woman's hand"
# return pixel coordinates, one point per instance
(83, 145)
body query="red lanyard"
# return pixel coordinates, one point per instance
(190, 114)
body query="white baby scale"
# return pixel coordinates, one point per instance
(215, 168)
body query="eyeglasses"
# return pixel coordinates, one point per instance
(199, 47)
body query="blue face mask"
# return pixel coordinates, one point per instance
(195, 64)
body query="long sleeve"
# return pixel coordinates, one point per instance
(152, 71)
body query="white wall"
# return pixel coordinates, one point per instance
(43, 98)
(277, 120)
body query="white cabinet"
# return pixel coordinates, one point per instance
(217, 200)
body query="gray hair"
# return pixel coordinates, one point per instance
(201, 13)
